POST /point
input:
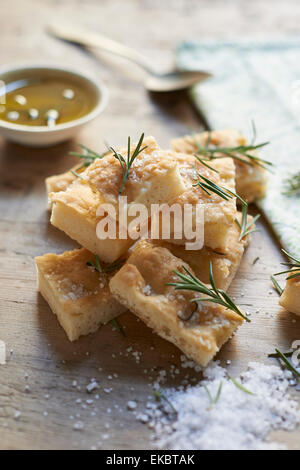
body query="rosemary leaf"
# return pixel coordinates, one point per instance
(117, 326)
(159, 395)
(77, 174)
(240, 386)
(244, 226)
(293, 267)
(214, 401)
(107, 268)
(288, 364)
(203, 161)
(276, 355)
(88, 156)
(276, 286)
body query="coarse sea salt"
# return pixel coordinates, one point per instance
(238, 421)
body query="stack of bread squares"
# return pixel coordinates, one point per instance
(90, 286)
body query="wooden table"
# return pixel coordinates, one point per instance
(37, 399)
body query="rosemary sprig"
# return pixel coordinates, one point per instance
(215, 152)
(159, 396)
(276, 286)
(88, 156)
(239, 385)
(126, 163)
(213, 401)
(117, 326)
(105, 269)
(208, 186)
(292, 185)
(293, 267)
(288, 364)
(245, 228)
(189, 282)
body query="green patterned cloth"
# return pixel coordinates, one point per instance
(260, 81)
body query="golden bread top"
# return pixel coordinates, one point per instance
(215, 206)
(152, 163)
(81, 197)
(295, 282)
(220, 138)
(73, 279)
(150, 267)
(199, 260)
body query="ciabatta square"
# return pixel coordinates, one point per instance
(57, 183)
(141, 286)
(76, 292)
(75, 212)
(290, 298)
(154, 178)
(218, 214)
(250, 179)
(225, 265)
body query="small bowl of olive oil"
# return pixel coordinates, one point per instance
(42, 106)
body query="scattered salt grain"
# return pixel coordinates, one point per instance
(238, 421)
(79, 426)
(92, 386)
(131, 405)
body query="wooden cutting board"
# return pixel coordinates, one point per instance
(42, 365)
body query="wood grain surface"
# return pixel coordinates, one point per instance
(38, 403)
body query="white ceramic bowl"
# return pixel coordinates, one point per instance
(43, 136)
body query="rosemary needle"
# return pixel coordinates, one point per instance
(276, 355)
(203, 161)
(293, 267)
(288, 365)
(159, 395)
(107, 268)
(245, 228)
(77, 174)
(117, 326)
(88, 156)
(126, 163)
(208, 186)
(214, 401)
(276, 286)
(239, 385)
(190, 282)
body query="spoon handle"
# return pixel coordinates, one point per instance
(91, 39)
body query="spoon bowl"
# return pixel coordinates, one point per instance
(173, 81)
(165, 82)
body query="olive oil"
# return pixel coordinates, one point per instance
(46, 100)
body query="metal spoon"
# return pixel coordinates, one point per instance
(171, 81)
